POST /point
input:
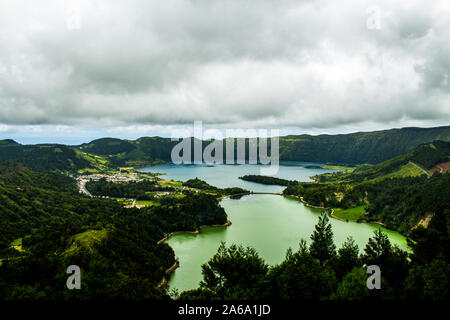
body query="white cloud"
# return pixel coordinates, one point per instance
(147, 66)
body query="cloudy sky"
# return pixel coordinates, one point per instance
(75, 70)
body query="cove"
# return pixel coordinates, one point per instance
(269, 223)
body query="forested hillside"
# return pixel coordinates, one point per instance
(46, 225)
(42, 157)
(361, 147)
(320, 271)
(413, 163)
(399, 192)
(107, 153)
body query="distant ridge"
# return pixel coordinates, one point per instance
(8, 142)
(418, 161)
(354, 148)
(360, 147)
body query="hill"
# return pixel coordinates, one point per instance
(355, 148)
(42, 156)
(16, 174)
(361, 147)
(8, 143)
(110, 153)
(46, 225)
(398, 193)
(419, 161)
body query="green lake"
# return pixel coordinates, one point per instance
(269, 223)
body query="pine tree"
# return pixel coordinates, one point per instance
(347, 258)
(322, 247)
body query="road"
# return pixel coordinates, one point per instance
(82, 188)
(425, 171)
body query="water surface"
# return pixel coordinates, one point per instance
(269, 223)
(223, 176)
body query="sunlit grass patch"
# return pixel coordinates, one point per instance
(351, 214)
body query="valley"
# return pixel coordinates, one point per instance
(175, 222)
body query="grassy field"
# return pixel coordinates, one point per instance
(97, 162)
(17, 242)
(175, 195)
(124, 202)
(147, 203)
(170, 183)
(351, 214)
(337, 167)
(407, 170)
(86, 240)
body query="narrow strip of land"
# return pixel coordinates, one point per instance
(425, 171)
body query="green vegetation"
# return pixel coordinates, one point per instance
(96, 163)
(135, 190)
(351, 214)
(115, 247)
(425, 156)
(320, 272)
(147, 203)
(52, 226)
(361, 147)
(202, 185)
(108, 154)
(396, 192)
(43, 156)
(169, 183)
(267, 180)
(85, 241)
(126, 153)
(406, 170)
(125, 202)
(17, 242)
(338, 167)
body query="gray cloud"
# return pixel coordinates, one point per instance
(309, 64)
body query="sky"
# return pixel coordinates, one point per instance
(72, 71)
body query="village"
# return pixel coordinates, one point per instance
(124, 178)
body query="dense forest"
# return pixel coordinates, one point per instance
(109, 153)
(413, 163)
(46, 225)
(202, 185)
(115, 247)
(136, 190)
(361, 147)
(42, 157)
(396, 192)
(268, 180)
(398, 202)
(320, 271)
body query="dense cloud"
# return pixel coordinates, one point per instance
(297, 64)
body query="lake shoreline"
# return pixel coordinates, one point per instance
(338, 218)
(169, 271)
(226, 224)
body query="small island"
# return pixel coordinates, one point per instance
(268, 180)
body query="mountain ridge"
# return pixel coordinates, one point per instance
(371, 147)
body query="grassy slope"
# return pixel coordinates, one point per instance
(352, 214)
(108, 153)
(411, 164)
(85, 240)
(361, 147)
(424, 156)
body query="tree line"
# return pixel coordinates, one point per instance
(320, 271)
(116, 248)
